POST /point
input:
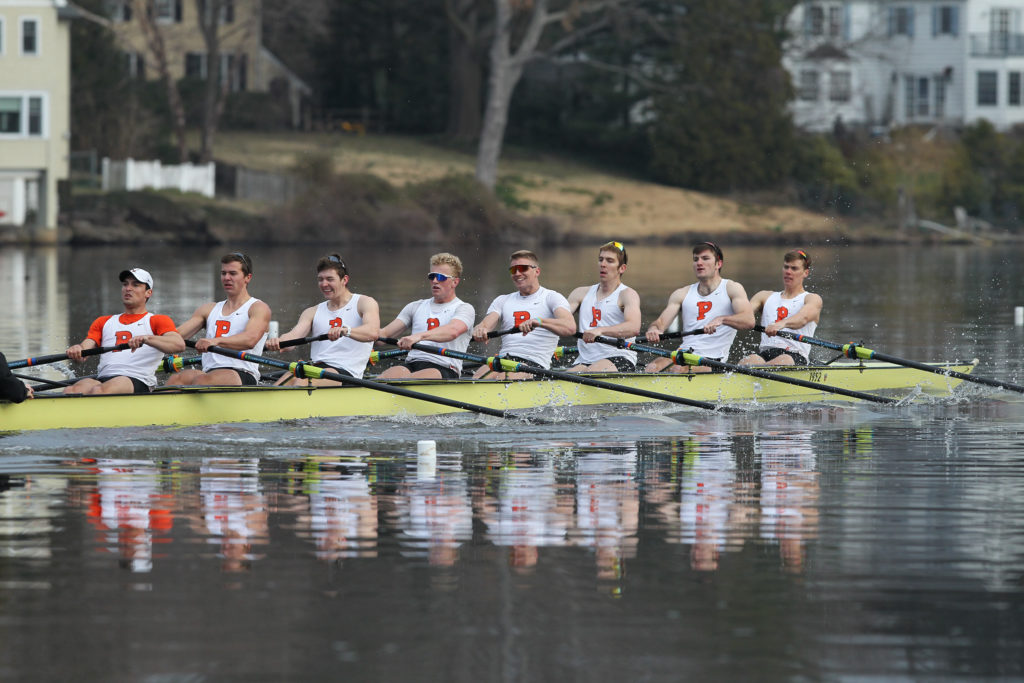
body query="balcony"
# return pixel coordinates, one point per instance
(997, 44)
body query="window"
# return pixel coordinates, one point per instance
(135, 65)
(839, 86)
(22, 115)
(940, 97)
(1013, 89)
(225, 10)
(901, 21)
(195, 65)
(167, 11)
(29, 36)
(1, 36)
(988, 88)
(923, 101)
(119, 10)
(1000, 30)
(945, 20)
(816, 20)
(835, 21)
(808, 85)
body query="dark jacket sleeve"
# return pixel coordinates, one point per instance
(11, 388)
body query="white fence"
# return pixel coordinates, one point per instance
(136, 175)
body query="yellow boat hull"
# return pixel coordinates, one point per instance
(199, 406)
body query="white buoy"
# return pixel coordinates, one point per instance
(1018, 316)
(426, 459)
(272, 329)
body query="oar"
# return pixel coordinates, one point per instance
(680, 335)
(303, 340)
(852, 350)
(506, 365)
(57, 357)
(310, 371)
(687, 358)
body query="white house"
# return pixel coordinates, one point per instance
(883, 63)
(35, 83)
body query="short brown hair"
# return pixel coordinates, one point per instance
(444, 258)
(709, 246)
(798, 254)
(238, 257)
(333, 262)
(524, 253)
(618, 248)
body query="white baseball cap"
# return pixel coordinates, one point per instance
(139, 274)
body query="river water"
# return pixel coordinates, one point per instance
(823, 542)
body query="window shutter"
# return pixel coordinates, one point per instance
(177, 11)
(846, 21)
(910, 21)
(936, 10)
(955, 18)
(892, 21)
(807, 19)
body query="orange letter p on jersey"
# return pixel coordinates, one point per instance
(702, 309)
(223, 327)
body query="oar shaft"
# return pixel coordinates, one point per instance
(57, 357)
(863, 353)
(313, 372)
(304, 340)
(694, 359)
(506, 365)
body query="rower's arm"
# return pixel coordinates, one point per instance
(369, 330)
(168, 342)
(658, 327)
(742, 317)
(630, 327)
(259, 321)
(486, 325)
(758, 301)
(810, 312)
(563, 324)
(576, 298)
(197, 322)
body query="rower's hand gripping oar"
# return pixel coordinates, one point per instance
(680, 357)
(57, 357)
(859, 352)
(310, 371)
(506, 365)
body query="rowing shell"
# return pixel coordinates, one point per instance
(213, 405)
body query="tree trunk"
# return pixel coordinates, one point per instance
(465, 71)
(506, 69)
(157, 47)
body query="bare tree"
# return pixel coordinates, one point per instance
(525, 22)
(158, 49)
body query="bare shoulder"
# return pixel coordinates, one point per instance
(366, 303)
(259, 308)
(678, 295)
(735, 290)
(577, 294)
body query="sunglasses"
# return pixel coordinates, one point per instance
(438, 277)
(521, 268)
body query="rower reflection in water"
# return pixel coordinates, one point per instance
(350, 321)
(715, 305)
(789, 494)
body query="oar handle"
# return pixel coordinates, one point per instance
(680, 335)
(57, 357)
(304, 340)
(493, 334)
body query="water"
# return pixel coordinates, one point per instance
(817, 542)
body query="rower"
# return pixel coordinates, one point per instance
(11, 388)
(351, 322)
(542, 316)
(716, 305)
(793, 308)
(443, 319)
(150, 336)
(238, 323)
(607, 309)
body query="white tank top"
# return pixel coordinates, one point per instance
(775, 309)
(141, 363)
(345, 353)
(698, 311)
(603, 313)
(537, 346)
(220, 325)
(426, 314)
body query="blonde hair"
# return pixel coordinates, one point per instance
(444, 258)
(524, 253)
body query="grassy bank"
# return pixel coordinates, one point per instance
(586, 203)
